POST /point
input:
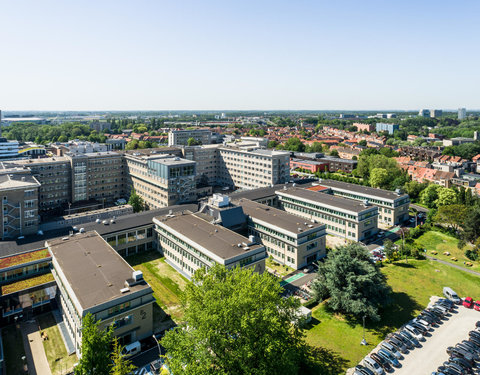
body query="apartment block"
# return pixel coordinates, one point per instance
(343, 217)
(189, 242)
(161, 180)
(287, 238)
(181, 137)
(207, 159)
(250, 169)
(364, 127)
(392, 206)
(105, 286)
(19, 197)
(384, 127)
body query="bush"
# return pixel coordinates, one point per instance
(471, 254)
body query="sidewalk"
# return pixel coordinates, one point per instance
(33, 343)
(453, 265)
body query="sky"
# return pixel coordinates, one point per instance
(239, 55)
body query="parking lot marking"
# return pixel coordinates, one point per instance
(292, 278)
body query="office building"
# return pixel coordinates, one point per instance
(189, 242)
(93, 278)
(287, 238)
(161, 180)
(19, 213)
(434, 113)
(462, 113)
(181, 137)
(246, 169)
(424, 113)
(8, 149)
(207, 161)
(392, 206)
(384, 127)
(343, 217)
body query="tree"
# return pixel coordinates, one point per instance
(453, 215)
(389, 249)
(379, 177)
(120, 364)
(272, 144)
(315, 147)
(429, 195)
(350, 283)
(471, 224)
(446, 197)
(334, 152)
(236, 322)
(363, 142)
(95, 348)
(414, 188)
(136, 201)
(294, 144)
(193, 142)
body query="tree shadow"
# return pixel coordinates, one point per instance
(322, 361)
(404, 265)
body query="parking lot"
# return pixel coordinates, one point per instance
(425, 360)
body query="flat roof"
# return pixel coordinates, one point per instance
(27, 162)
(17, 181)
(261, 152)
(95, 271)
(278, 218)
(326, 199)
(360, 189)
(265, 192)
(221, 241)
(173, 160)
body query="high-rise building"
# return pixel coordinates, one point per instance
(462, 113)
(434, 113)
(424, 113)
(384, 127)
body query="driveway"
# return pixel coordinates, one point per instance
(425, 360)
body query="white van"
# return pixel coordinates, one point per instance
(451, 295)
(132, 349)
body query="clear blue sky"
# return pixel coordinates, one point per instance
(202, 54)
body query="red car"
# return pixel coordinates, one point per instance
(468, 302)
(476, 305)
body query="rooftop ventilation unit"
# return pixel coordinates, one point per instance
(124, 290)
(366, 203)
(82, 230)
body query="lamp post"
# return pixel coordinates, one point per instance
(159, 347)
(364, 342)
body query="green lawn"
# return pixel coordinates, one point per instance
(413, 284)
(282, 270)
(58, 359)
(13, 349)
(442, 242)
(166, 282)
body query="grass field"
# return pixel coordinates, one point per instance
(282, 270)
(413, 284)
(58, 359)
(13, 350)
(442, 242)
(167, 283)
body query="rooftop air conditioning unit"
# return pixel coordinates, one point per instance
(124, 290)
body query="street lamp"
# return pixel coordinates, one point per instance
(159, 347)
(364, 342)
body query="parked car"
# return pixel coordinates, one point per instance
(448, 371)
(389, 357)
(468, 302)
(363, 370)
(398, 344)
(468, 349)
(472, 345)
(446, 302)
(411, 338)
(414, 332)
(474, 334)
(474, 340)
(405, 341)
(423, 322)
(459, 352)
(390, 348)
(451, 295)
(382, 362)
(373, 366)
(476, 305)
(454, 366)
(465, 365)
(423, 330)
(432, 315)
(442, 309)
(477, 324)
(429, 319)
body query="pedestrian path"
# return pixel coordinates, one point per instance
(67, 340)
(454, 265)
(35, 353)
(292, 278)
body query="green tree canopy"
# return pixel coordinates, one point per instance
(136, 201)
(193, 142)
(429, 195)
(446, 197)
(453, 215)
(95, 348)
(351, 283)
(294, 144)
(120, 364)
(236, 322)
(414, 188)
(379, 177)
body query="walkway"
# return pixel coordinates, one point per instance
(454, 265)
(67, 340)
(33, 343)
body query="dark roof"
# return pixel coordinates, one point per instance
(102, 273)
(360, 189)
(327, 199)
(278, 218)
(219, 240)
(35, 241)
